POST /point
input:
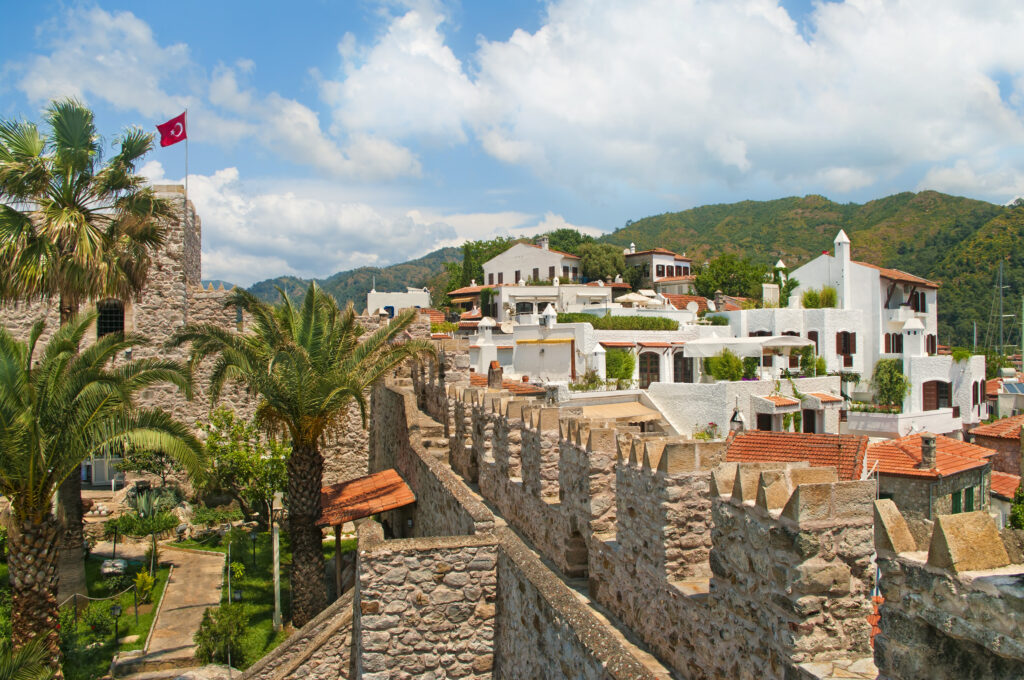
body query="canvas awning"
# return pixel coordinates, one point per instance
(630, 411)
(461, 300)
(744, 347)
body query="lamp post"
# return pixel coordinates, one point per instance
(115, 611)
(275, 515)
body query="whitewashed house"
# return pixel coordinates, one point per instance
(527, 262)
(392, 302)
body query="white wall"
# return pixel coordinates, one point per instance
(960, 375)
(412, 298)
(525, 258)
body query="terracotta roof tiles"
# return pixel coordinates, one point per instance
(363, 497)
(841, 451)
(436, 316)
(897, 275)
(825, 397)
(1005, 428)
(1004, 485)
(779, 400)
(902, 456)
(680, 301)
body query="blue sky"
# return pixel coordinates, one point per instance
(327, 135)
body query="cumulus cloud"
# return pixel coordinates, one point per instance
(253, 235)
(114, 56)
(657, 93)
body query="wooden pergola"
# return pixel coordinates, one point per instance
(358, 498)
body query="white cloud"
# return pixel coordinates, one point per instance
(986, 177)
(253, 235)
(660, 94)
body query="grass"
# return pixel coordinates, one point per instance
(81, 663)
(257, 587)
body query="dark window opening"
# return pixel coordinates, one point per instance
(650, 369)
(536, 274)
(764, 422)
(682, 368)
(110, 319)
(519, 277)
(659, 270)
(501, 278)
(551, 273)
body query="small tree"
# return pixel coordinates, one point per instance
(820, 367)
(601, 260)
(157, 463)
(725, 366)
(750, 368)
(889, 383)
(807, 360)
(246, 465)
(829, 296)
(619, 365)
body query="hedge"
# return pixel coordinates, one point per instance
(620, 323)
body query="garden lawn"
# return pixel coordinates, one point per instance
(257, 587)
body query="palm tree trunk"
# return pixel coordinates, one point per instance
(305, 479)
(69, 510)
(33, 572)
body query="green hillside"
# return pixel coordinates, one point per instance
(953, 240)
(353, 285)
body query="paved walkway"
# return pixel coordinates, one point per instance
(195, 584)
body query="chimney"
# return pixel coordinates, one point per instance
(632, 247)
(494, 375)
(927, 451)
(842, 246)
(544, 243)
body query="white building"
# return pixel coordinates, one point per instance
(880, 313)
(658, 263)
(527, 262)
(393, 302)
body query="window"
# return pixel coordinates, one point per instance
(647, 269)
(110, 319)
(956, 502)
(536, 274)
(650, 369)
(551, 273)
(888, 343)
(764, 422)
(524, 308)
(519, 277)
(969, 499)
(490, 279)
(501, 278)
(565, 272)
(813, 335)
(898, 343)
(918, 301)
(659, 270)
(931, 344)
(682, 368)
(846, 343)
(575, 273)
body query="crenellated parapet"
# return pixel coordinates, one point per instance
(790, 560)
(954, 610)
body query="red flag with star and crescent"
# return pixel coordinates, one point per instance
(173, 131)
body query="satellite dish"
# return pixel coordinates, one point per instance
(506, 327)
(711, 306)
(692, 307)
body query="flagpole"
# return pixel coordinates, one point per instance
(186, 167)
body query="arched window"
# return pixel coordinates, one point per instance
(110, 319)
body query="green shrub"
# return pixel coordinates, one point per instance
(724, 366)
(619, 364)
(589, 382)
(144, 584)
(820, 368)
(3, 544)
(221, 627)
(203, 515)
(717, 320)
(117, 583)
(237, 570)
(819, 299)
(620, 323)
(961, 354)
(807, 360)
(98, 618)
(1017, 509)
(444, 327)
(750, 365)
(889, 383)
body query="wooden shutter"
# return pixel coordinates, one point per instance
(888, 343)
(931, 395)
(551, 273)
(853, 343)
(839, 343)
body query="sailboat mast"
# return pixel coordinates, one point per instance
(1002, 341)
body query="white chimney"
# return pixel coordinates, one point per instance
(842, 244)
(544, 243)
(632, 248)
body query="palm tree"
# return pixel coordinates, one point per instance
(28, 663)
(57, 410)
(307, 365)
(73, 229)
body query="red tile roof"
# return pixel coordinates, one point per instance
(519, 388)
(467, 290)
(654, 251)
(680, 301)
(618, 344)
(992, 387)
(655, 344)
(471, 314)
(825, 397)
(435, 315)
(1004, 485)
(363, 497)
(779, 400)
(613, 284)
(730, 307)
(897, 275)
(1005, 428)
(902, 456)
(844, 452)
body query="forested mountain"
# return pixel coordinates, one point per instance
(353, 285)
(956, 241)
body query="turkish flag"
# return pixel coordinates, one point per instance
(173, 131)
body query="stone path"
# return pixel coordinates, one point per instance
(195, 584)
